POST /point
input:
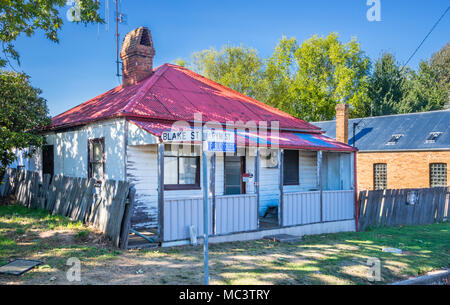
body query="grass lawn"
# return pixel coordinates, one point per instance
(321, 259)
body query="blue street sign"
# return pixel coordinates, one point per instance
(221, 146)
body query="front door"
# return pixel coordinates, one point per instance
(234, 167)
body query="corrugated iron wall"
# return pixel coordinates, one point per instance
(235, 213)
(304, 207)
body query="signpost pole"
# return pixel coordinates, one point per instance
(205, 213)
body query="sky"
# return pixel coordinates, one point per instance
(82, 65)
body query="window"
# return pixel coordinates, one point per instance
(380, 176)
(48, 160)
(394, 139)
(181, 167)
(290, 167)
(438, 174)
(96, 153)
(234, 168)
(432, 137)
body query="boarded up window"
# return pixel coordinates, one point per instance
(380, 176)
(181, 167)
(290, 167)
(96, 152)
(438, 174)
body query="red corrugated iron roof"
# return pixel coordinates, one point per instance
(175, 93)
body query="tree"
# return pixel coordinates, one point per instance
(440, 64)
(279, 76)
(424, 92)
(21, 110)
(239, 68)
(330, 72)
(27, 16)
(386, 86)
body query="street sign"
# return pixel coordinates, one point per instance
(181, 135)
(217, 140)
(218, 135)
(220, 146)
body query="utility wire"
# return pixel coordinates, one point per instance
(432, 29)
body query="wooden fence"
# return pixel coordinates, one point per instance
(106, 207)
(391, 208)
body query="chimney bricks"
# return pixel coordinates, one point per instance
(137, 55)
(342, 123)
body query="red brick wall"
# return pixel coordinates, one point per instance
(404, 169)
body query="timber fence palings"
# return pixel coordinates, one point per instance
(107, 207)
(380, 208)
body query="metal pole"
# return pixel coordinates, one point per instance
(205, 214)
(280, 205)
(257, 186)
(212, 190)
(319, 176)
(161, 191)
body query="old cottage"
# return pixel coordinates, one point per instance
(280, 174)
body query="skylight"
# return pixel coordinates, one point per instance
(433, 136)
(394, 139)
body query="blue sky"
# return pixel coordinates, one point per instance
(82, 65)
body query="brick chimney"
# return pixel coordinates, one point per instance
(137, 55)
(342, 123)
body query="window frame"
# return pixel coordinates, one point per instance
(178, 186)
(297, 180)
(375, 176)
(445, 173)
(90, 162)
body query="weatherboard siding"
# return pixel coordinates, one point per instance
(71, 149)
(142, 173)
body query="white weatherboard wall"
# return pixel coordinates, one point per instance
(31, 164)
(71, 149)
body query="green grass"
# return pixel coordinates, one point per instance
(339, 258)
(34, 233)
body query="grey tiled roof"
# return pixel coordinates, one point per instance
(373, 133)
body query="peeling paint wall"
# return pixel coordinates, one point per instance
(71, 149)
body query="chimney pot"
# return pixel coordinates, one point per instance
(137, 55)
(342, 123)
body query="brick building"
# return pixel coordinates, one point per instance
(396, 151)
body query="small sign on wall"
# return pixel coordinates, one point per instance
(412, 197)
